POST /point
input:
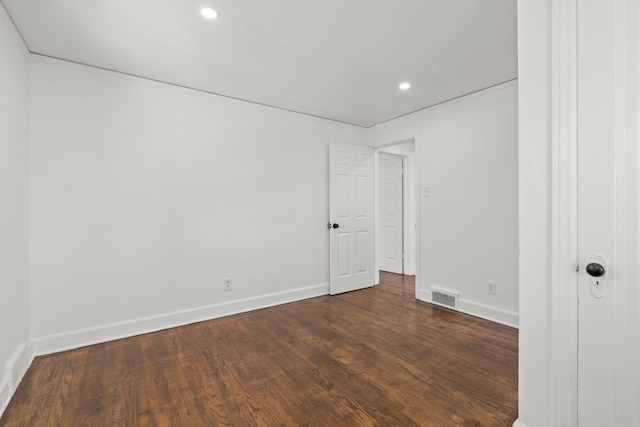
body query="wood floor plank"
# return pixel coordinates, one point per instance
(375, 357)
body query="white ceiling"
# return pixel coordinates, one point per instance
(338, 59)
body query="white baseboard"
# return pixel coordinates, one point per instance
(113, 331)
(14, 371)
(494, 314)
(5, 393)
(517, 423)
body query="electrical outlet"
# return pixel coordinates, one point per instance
(228, 285)
(491, 287)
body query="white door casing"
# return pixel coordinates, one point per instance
(351, 218)
(390, 210)
(608, 319)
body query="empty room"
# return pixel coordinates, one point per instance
(319, 213)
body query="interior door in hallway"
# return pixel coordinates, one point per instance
(608, 297)
(351, 224)
(391, 213)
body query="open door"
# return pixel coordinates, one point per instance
(351, 223)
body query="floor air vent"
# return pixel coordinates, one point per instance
(444, 298)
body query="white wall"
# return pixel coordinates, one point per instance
(467, 152)
(144, 197)
(14, 238)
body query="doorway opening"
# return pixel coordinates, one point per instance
(395, 207)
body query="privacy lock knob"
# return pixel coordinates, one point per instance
(595, 270)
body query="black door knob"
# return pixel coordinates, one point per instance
(335, 225)
(595, 270)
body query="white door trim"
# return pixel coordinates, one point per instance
(627, 372)
(547, 44)
(564, 214)
(410, 237)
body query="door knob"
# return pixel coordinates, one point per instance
(329, 225)
(595, 270)
(335, 225)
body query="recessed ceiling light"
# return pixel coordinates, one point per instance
(404, 85)
(209, 13)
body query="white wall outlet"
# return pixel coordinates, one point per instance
(491, 287)
(228, 285)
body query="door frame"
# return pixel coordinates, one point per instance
(547, 57)
(564, 214)
(416, 196)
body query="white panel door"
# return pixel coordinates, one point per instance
(351, 226)
(390, 213)
(608, 297)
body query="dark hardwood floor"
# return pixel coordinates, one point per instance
(370, 357)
